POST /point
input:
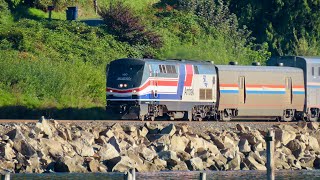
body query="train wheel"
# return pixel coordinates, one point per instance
(288, 115)
(152, 118)
(313, 118)
(313, 115)
(224, 116)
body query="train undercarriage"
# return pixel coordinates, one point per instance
(151, 111)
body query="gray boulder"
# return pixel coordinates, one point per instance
(244, 146)
(52, 147)
(169, 156)
(223, 142)
(45, 126)
(108, 152)
(82, 147)
(307, 162)
(95, 166)
(253, 164)
(143, 132)
(313, 143)
(7, 152)
(313, 125)
(180, 166)
(284, 136)
(240, 128)
(7, 165)
(87, 137)
(170, 129)
(316, 163)
(234, 164)
(68, 164)
(124, 164)
(178, 143)
(21, 144)
(161, 164)
(297, 148)
(114, 142)
(302, 125)
(195, 164)
(34, 165)
(5, 137)
(148, 154)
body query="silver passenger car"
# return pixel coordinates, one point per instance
(311, 69)
(260, 91)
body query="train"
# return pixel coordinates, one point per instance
(286, 89)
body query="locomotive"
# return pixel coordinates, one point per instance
(288, 88)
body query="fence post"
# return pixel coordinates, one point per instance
(128, 175)
(5, 176)
(133, 173)
(270, 153)
(203, 176)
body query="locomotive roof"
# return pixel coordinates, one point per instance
(310, 59)
(258, 68)
(307, 59)
(169, 61)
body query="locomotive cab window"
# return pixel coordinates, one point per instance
(162, 69)
(168, 69)
(171, 69)
(196, 70)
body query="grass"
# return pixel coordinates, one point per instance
(61, 64)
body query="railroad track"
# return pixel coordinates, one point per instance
(156, 121)
(195, 126)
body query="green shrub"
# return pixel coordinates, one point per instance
(121, 21)
(5, 15)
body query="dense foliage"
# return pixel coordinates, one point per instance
(289, 27)
(121, 22)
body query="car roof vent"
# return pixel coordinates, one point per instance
(280, 64)
(233, 63)
(256, 64)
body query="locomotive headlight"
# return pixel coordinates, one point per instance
(134, 91)
(125, 85)
(110, 91)
(121, 85)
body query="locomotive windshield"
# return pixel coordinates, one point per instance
(124, 76)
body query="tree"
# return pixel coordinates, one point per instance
(281, 23)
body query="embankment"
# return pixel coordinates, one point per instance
(49, 146)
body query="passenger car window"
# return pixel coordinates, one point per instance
(312, 71)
